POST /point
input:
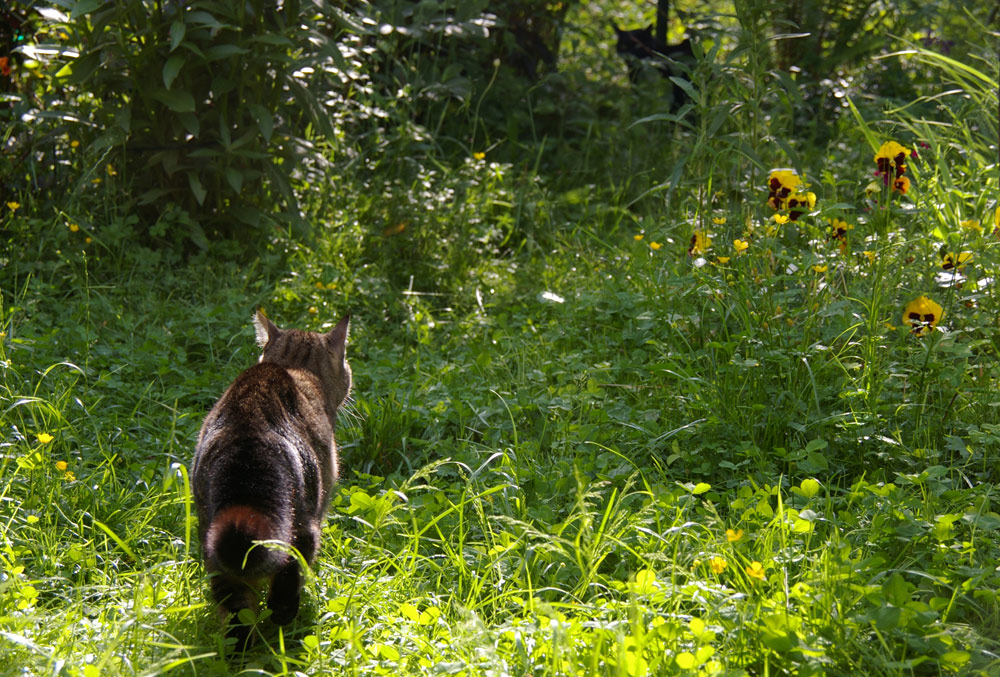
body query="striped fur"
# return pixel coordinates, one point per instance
(264, 466)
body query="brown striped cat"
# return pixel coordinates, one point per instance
(264, 466)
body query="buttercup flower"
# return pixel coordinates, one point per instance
(638, 237)
(73, 228)
(740, 246)
(951, 261)
(655, 246)
(479, 156)
(700, 242)
(69, 476)
(755, 570)
(819, 269)
(45, 438)
(733, 536)
(111, 171)
(13, 206)
(717, 564)
(61, 466)
(922, 314)
(719, 220)
(722, 260)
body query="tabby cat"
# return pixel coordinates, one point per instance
(264, 466)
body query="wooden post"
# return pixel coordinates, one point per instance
(662, 19)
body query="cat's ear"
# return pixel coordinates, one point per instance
(649, 29)
(336, 340)
(618, 31)
(265, 329)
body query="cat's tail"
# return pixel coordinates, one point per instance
(231, 536)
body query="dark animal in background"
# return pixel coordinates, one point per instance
(639, 48)
(264, 466)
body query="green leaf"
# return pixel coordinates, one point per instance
(686, 660)
(809, 487)
(234, 178)
(177, 101)
(84, 7)
(199, 190)
(171, 68)
(177, 31)
(700, 488)
(264, 120)
(223, 52)
(409, 611)
(83, 68)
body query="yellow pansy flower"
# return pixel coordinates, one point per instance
(922, 315)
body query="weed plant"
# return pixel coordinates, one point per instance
(621, 407)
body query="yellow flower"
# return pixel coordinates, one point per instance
(901, 185)
(313, 310)
(780, 218)
(45, 438)
(722, 260)
(720, 220)
(733, 536)
(697, 562)
(700, 242)
(787, 178)
(87, 240)
(922, 315)
(996, 219)
(69, 476)
(838, 229)
(73, 227)
(638, 237)
(479, 156)
(780, 184)
(972, 224)
(893, 152)
(61, 466)
(870, 255)
(717, 564)
(872, 189)
(797, 202)
(740, 246)
(820, 269)
(755, 570)
(13, 206)
(111, 171)
(320, 285)
(74, 144)
(951, 261)
(96, 180)
(655, 246)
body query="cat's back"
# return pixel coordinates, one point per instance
(265, 390)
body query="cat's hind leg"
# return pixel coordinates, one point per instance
(232, 596)
(286, 586)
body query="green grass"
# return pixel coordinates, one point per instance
(569, 453)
